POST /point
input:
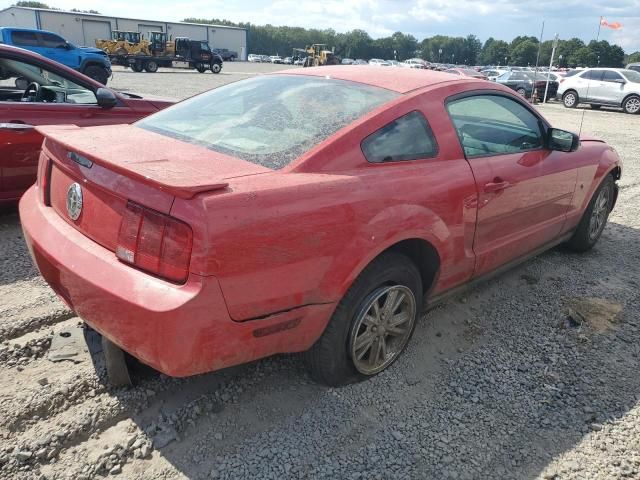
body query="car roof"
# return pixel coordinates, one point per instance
(398, 80)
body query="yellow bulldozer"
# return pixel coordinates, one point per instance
(125, 43)
(318, 54)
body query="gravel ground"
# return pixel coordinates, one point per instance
(501, 382)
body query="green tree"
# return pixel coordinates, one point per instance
(524, 52)
(494, 52)
(632, 58)
(583, 57)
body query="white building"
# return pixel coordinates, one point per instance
(84, 28)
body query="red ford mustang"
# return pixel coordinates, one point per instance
(315, 211)
(37, 91)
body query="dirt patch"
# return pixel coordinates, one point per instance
(599, 314)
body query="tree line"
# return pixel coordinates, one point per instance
(469, 50)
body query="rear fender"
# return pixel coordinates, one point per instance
(389, 227)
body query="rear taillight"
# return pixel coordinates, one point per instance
(42, 178)
(155, 242)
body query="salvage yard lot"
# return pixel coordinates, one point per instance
(497, 383)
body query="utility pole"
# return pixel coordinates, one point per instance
(553, 52)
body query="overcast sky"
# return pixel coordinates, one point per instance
(503, 19)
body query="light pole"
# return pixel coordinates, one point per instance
(439, 53)
(560, 61)
(452, 55)
(598, 60)
(505, 61)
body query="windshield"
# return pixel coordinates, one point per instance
(268, 120)
(205, 46)
(632, 75)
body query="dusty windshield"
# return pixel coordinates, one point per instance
(632, 76)
(268, 120)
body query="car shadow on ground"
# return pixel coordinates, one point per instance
(498, 382)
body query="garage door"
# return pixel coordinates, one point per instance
(145, 29)
(92, 30)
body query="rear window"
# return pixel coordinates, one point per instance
(26, 39)
(269, 120)
(632, 76)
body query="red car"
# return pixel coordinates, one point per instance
(467, 72)
(37, 91)
(316, 210)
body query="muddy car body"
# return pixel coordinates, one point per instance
(199, 244)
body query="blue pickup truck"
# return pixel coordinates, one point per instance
(93, 62)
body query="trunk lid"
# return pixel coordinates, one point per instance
(112, 169)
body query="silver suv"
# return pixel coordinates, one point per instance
(602, 86)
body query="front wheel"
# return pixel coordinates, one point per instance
(99, 74)
(631, 105)
(371, 325)
(216, 67)
(570, 99)
(594, 218)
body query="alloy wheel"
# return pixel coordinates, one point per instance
(382, 328)
(569, 99)
(632, 105)
(599, 214)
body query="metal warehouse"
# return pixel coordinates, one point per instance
(84, 28)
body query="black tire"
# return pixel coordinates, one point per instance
(329, 360)
(584, 238)
(151, 66)
(595, 106)
(232, 58)
(570, 99)
(216, 68)
(631, 105)
(201, 68)
(98, 73)
(521, 91)
(136, 67)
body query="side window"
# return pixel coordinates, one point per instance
(494, 125)
(610, 76)
(406, 138)
(52, 41)
(53, 88)
(24, 39)
(592, 75)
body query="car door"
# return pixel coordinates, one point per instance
(524, 189)
(56, 48)
(611, 88)
(19, 146)
(588, 85)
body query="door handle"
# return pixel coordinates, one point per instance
(496, 186)
(17, 126)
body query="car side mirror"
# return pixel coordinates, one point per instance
(621, 81)
(562, 141)
(106, 98)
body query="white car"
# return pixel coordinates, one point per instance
(275, 59)
(254, 58)
(414, 63)
(378, 62)
(616, 87)
(493, 73)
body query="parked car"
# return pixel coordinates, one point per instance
(287, 61)
(347, 61)
(360, 61)
(492, 73)
(248, 240)
(37, 91)
(467, 72)
(393, 63)
(524, 82)
(252, 57)
(275, 59)
(634, 66)
(414, 63)
(226, 54)
(266, 58)
(300, 61)
(378, 62)
(603, 86)
(91, 61)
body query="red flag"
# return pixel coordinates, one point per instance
(613, 25)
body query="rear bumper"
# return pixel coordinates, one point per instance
(179, 330)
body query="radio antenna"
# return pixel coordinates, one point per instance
(588, 81)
